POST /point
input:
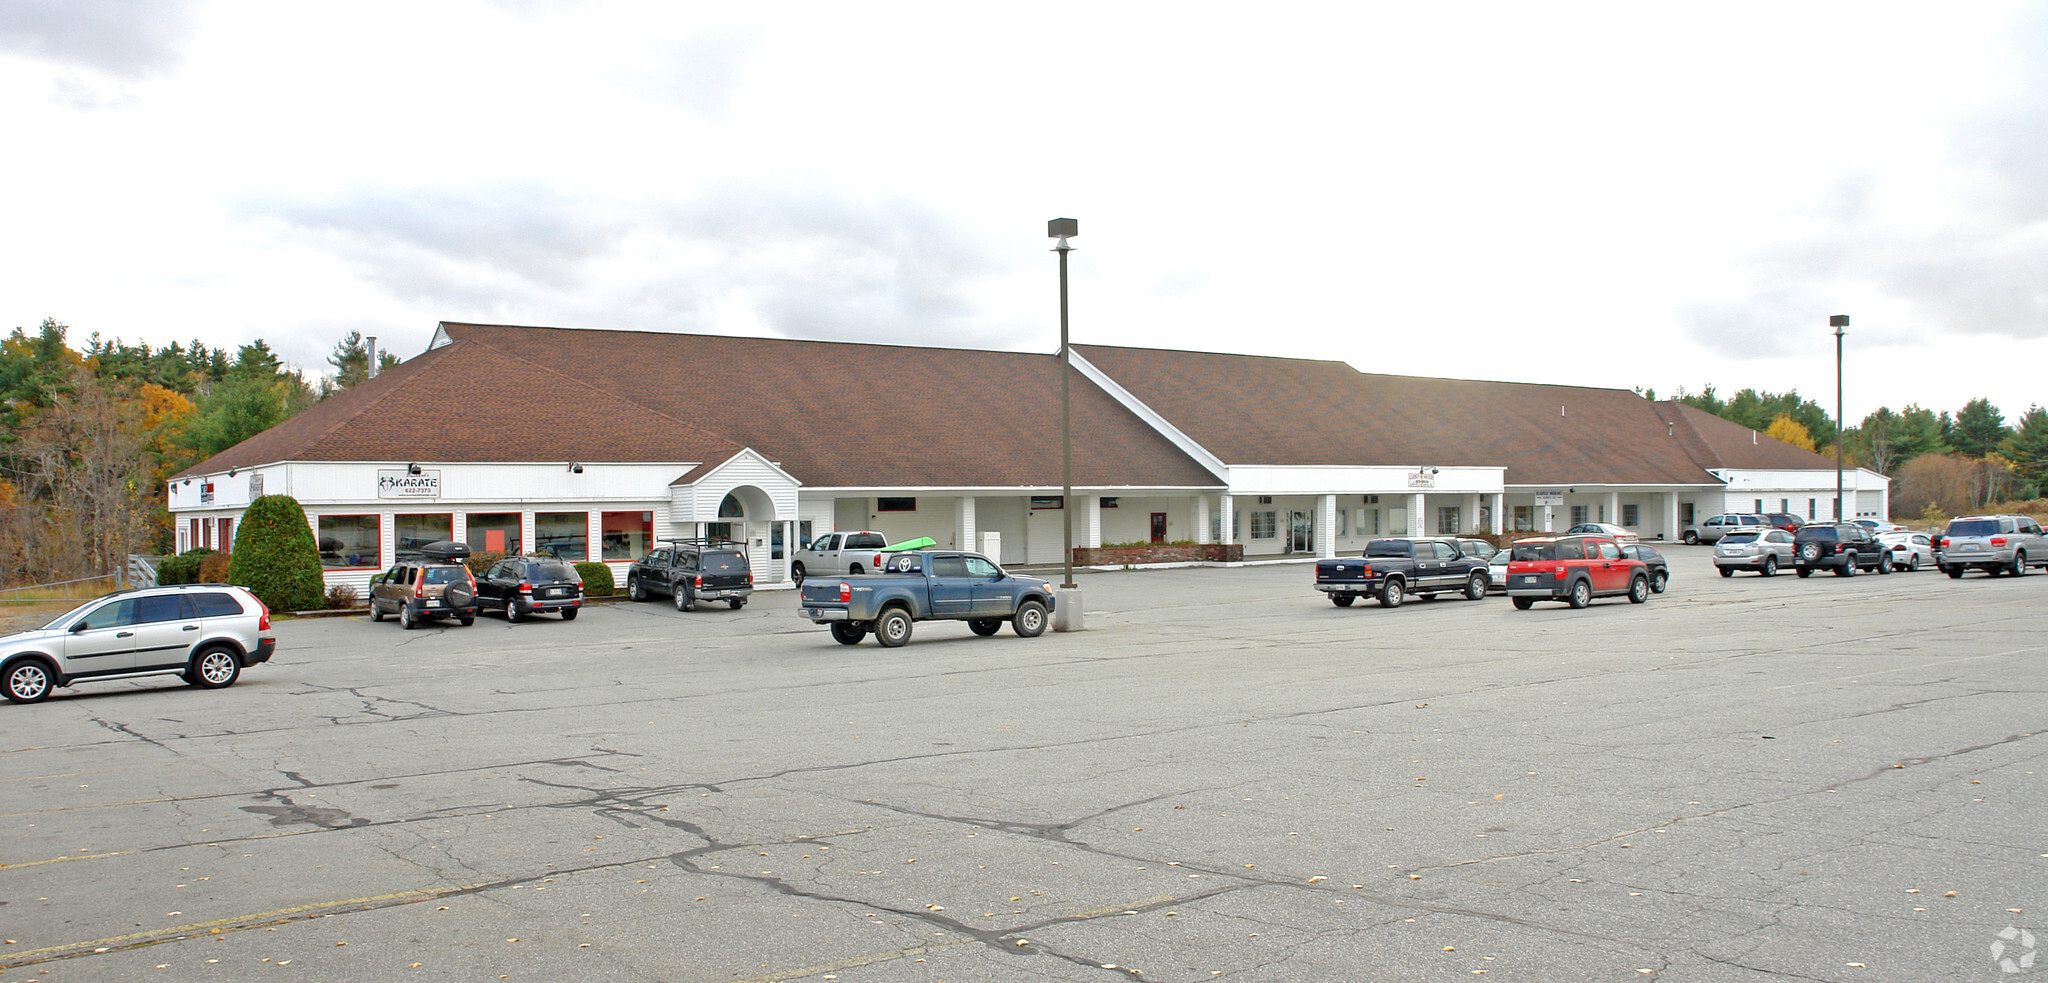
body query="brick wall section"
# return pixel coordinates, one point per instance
(1116, 556)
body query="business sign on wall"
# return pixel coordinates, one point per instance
(400, 484)
(1552, 498)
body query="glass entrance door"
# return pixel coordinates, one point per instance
(1300, 536)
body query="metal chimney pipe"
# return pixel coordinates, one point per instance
(372, 343)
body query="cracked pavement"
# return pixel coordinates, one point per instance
(1225, 778)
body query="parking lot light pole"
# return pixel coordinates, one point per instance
(1838, 322)
(1067, 602)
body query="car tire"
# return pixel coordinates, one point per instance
(1954, 572)
(569, 614)
(1523, 603)
(1692, 538)
(1884, 563)
(1582, 594)
(634, 591)
(686, 599)
(1638, 590)
(985, 626)
(1809, 553)
(2019, 564)
(1730, 572)
(1391, 593)
(512, 614)
(848, 633)
(1029, 621)
(736, 603)
(376, 612)
(1475, 587)
(466, 622)
(214, 668)
(854, 569)
(406, 619)
(1913, 563)
(796, 573)
(1343, 600)
(892, 629)
(1660, 581)
(1804, 572)
(1770, 566)
(30, 681)
(1848, 567)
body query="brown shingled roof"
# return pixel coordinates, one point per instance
(833, 414)
(1731, 445)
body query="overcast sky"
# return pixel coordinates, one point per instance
(1615, 195)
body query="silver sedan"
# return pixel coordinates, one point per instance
(1910, 550)
(1763, 551)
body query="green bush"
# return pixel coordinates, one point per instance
(597, 579)
(480, 562)
(275, 555)
(183, 568)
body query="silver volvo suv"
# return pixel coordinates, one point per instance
(205, 633)
(1994, 544)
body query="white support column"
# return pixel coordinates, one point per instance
(1418, 516)
(1229, 519)
(525, 532)
(1671, 531)
(1500, 505)
(1091, 522)
(1472, 504)
(963, 524)
(1202, 519)
(1326, 527)
(1613, 508)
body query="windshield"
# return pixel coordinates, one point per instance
(1549, 551)
(1739, 537)
(1387, 547)
(1816, 532)
(1973, 527)
(723, 563)
(445, 575)
(67, 617)
(554, 571)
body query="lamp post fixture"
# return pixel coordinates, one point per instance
(1838, 322)
(1067, 604)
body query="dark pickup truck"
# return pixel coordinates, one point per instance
(692, 570)
(1393, 569)
(926, 585)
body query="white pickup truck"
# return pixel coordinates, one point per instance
(837, 553)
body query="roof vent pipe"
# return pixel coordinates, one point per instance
(1752, 436)
(1560, 411)
(1667, 428)
(372, 347)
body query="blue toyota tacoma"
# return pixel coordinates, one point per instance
(926, 585)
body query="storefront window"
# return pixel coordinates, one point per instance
(409, 533)
(563, 535)
(350, 541)
(494, 532)
(627, 535)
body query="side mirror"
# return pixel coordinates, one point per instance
(80, 626)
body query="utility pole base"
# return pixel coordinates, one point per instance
(1066, 609)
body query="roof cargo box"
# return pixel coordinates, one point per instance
(445, 552)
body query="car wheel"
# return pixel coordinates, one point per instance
(376, 611)
(214, 668)
(1884, 562)
(2019, 564)
(1582, 594)
(1770, 566)
(1391, 594)
(1809, 552)
(1343, 600)
(1692, 538)
(848, 633)
(736, 603)
(1638, 590)
(796, 573)
(1913, 563)
(1805, 572)
(1475, 587)
(29, 681)
(854, 569)
(1730, 572)
(892, 628)
(686, 599)
(1029, 621)
(512, 614)
(569, 614)
(1848, 567)
(1660, 581)
(985, 626)
(1523, 603)
(1954, 572)
(634, 590)
(406, 619)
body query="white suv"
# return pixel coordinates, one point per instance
(205, 633)
(1714, 528)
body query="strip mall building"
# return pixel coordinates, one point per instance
(593, 444)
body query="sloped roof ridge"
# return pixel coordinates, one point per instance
(587, 384)
(793, 341)
(336, 411)
(1193, 351)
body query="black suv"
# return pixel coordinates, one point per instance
(692, 570)
(433, 587)
(524, 585)
(1843, 547)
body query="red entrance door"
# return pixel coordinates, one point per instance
(1159, 527)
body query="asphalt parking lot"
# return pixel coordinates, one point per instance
(1225, 778)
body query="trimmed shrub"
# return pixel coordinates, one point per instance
(213, 569)
(340, 597)
(183, 568)
(480, 562)
(276, 557)
(597, 579)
